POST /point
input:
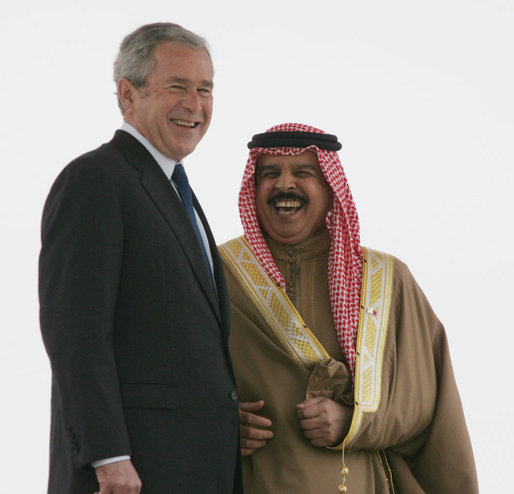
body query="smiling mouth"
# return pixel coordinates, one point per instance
(184, 123)
(286, 208)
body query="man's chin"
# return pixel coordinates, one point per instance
(178, 151)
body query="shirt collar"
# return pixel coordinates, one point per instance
(167, 164)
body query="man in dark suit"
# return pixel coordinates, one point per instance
(134, 308)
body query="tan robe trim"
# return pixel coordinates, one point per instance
(376, 290)
(273, 303)
(377, 276)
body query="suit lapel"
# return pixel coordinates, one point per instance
(168, 203)
(218, 271)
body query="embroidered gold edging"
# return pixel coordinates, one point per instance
(376, 291)
(384, 463)
(273, 303)
(377, 276)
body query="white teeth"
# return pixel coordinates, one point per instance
(287, 207)
(184, 123)
(288, 204)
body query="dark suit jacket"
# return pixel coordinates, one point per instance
(136, 334)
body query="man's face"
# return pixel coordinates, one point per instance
(292, 196)
(174, 109)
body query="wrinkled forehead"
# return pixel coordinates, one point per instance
(259, 155)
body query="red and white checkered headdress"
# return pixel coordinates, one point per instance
(345, 256)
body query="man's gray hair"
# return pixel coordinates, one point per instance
(135, 61)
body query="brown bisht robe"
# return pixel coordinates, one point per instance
(419, 423)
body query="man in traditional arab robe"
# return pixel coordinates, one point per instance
(343, 369)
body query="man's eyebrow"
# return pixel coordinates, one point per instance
(271, 166)
(276, 166)
(184, 81)
(306, 165)
(180, 80)
(303, 166)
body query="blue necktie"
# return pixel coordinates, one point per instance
(179, 177)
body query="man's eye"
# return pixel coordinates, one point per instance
(204, 90)
(176, 87)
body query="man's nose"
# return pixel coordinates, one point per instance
(285, 182)
(192, 101)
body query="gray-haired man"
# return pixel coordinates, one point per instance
(134, 309)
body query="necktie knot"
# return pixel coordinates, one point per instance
(179, 175)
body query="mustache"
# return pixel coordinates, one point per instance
(284, 196)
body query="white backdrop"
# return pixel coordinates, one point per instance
(420, 94)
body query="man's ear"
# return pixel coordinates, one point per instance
(126, 93)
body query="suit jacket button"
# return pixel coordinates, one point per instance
(233, 396)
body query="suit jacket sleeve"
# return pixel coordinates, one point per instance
(80, 262)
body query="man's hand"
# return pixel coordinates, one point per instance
(118, 478)
(324, 422)
(253, 428)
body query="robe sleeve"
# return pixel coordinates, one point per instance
(444, 462)
(419, 421)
